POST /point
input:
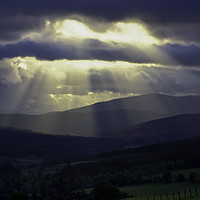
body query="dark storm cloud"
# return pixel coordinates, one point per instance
(156, 10)
(39, 50)
(49, 51)
(13, 27)
(180, 54)
(183, 55)
(185, 33)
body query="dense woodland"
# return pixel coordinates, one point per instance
(151, 164)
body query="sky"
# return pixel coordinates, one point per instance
(61, 54)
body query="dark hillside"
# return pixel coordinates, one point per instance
(17, 143)
(162, 130)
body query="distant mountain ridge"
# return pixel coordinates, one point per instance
(105, 117)
(79, 123)
(159, 103)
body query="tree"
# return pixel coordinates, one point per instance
(180, 178)
(192, 177)
(18, 196)
(105, 191)
(156, 179)
(167, 177)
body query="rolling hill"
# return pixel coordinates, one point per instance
(186, 149)
(17, 143)
(159, 103)
(103, 117)
(162, 130)
(77, 123)
(21, 143)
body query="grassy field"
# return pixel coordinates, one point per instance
(162, 191)
(176, 197)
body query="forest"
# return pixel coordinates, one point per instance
(109, 171)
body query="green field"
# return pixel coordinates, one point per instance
(162, 191)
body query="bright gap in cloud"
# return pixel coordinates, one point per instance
(120, 32)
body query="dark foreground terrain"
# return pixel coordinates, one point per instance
(16, 144)
(157, 164)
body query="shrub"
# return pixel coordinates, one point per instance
(105, 191)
